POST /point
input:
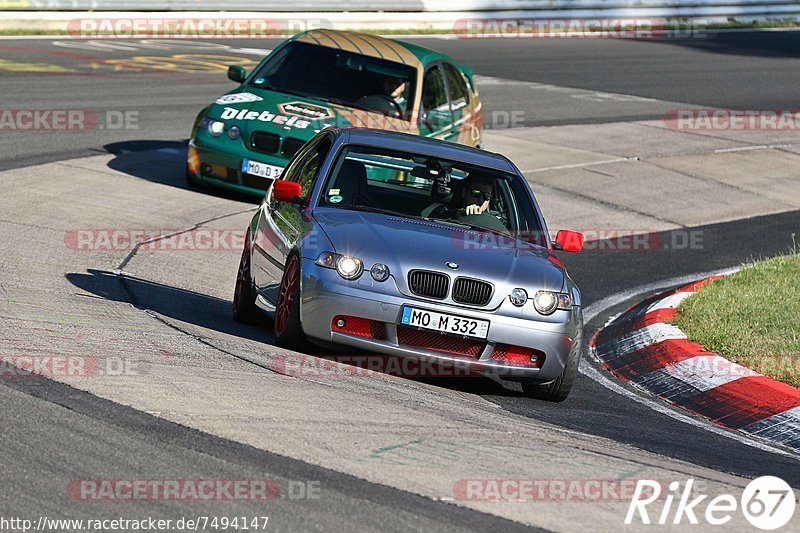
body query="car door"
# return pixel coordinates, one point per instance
(465, 129)
(436, 119)
(282, 224)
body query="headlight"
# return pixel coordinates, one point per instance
(546, 302)
(234, 132)
(327, 259)
(348, 267)
(213, 127)
(379, 272)
(519, 297)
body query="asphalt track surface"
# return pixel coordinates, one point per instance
(746, 70)
(625, 80)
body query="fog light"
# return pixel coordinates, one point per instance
(519, 297)
(379, 272)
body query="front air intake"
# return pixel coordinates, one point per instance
(428, 284)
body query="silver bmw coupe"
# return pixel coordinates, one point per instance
(412, 247)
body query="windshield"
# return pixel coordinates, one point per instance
(419, 186)
(340, 77)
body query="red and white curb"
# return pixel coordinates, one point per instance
(642, 348)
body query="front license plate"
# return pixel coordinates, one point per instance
(445, 323)
(261, 169)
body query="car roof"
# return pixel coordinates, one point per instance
(372, 45)
(406, 142)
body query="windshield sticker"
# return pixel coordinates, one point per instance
(238, 98)
(335, 199)
(333, 192)
(300, 109)
(259, 81)
(264, 116)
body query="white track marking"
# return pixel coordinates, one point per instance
(586, 368)
(695, 373)
(657, 405)
(646, 336)
(591, 311)
(780, 427)
(670, 302)
(581, 165)
(572, 92)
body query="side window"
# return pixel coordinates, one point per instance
(459, 95)
(306, 170)
(434, 96)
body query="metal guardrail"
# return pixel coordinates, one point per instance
(297, 6)
(213, 5)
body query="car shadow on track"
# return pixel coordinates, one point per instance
(179, 304)
(162, 162)
(214, 313)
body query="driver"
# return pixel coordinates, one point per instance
(476, 195)
(395, 88)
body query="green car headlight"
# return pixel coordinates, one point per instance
(215, 128)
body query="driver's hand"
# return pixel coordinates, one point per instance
(477, 209)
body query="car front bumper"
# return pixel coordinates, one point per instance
(220, 166)
(325, 297)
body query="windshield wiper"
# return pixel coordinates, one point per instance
(359, 207)
(268, 87)
(470, 226)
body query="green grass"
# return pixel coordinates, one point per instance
(751, 317)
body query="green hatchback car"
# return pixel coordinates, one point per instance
(322, 78)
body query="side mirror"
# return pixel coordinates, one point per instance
(568, 241)
(237, 73)
(286, 191)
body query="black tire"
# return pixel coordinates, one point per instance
(244, 297)
(287, 327)
(558, 390)
(191, 180)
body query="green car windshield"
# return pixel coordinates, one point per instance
(418, 186)
(340, 77)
